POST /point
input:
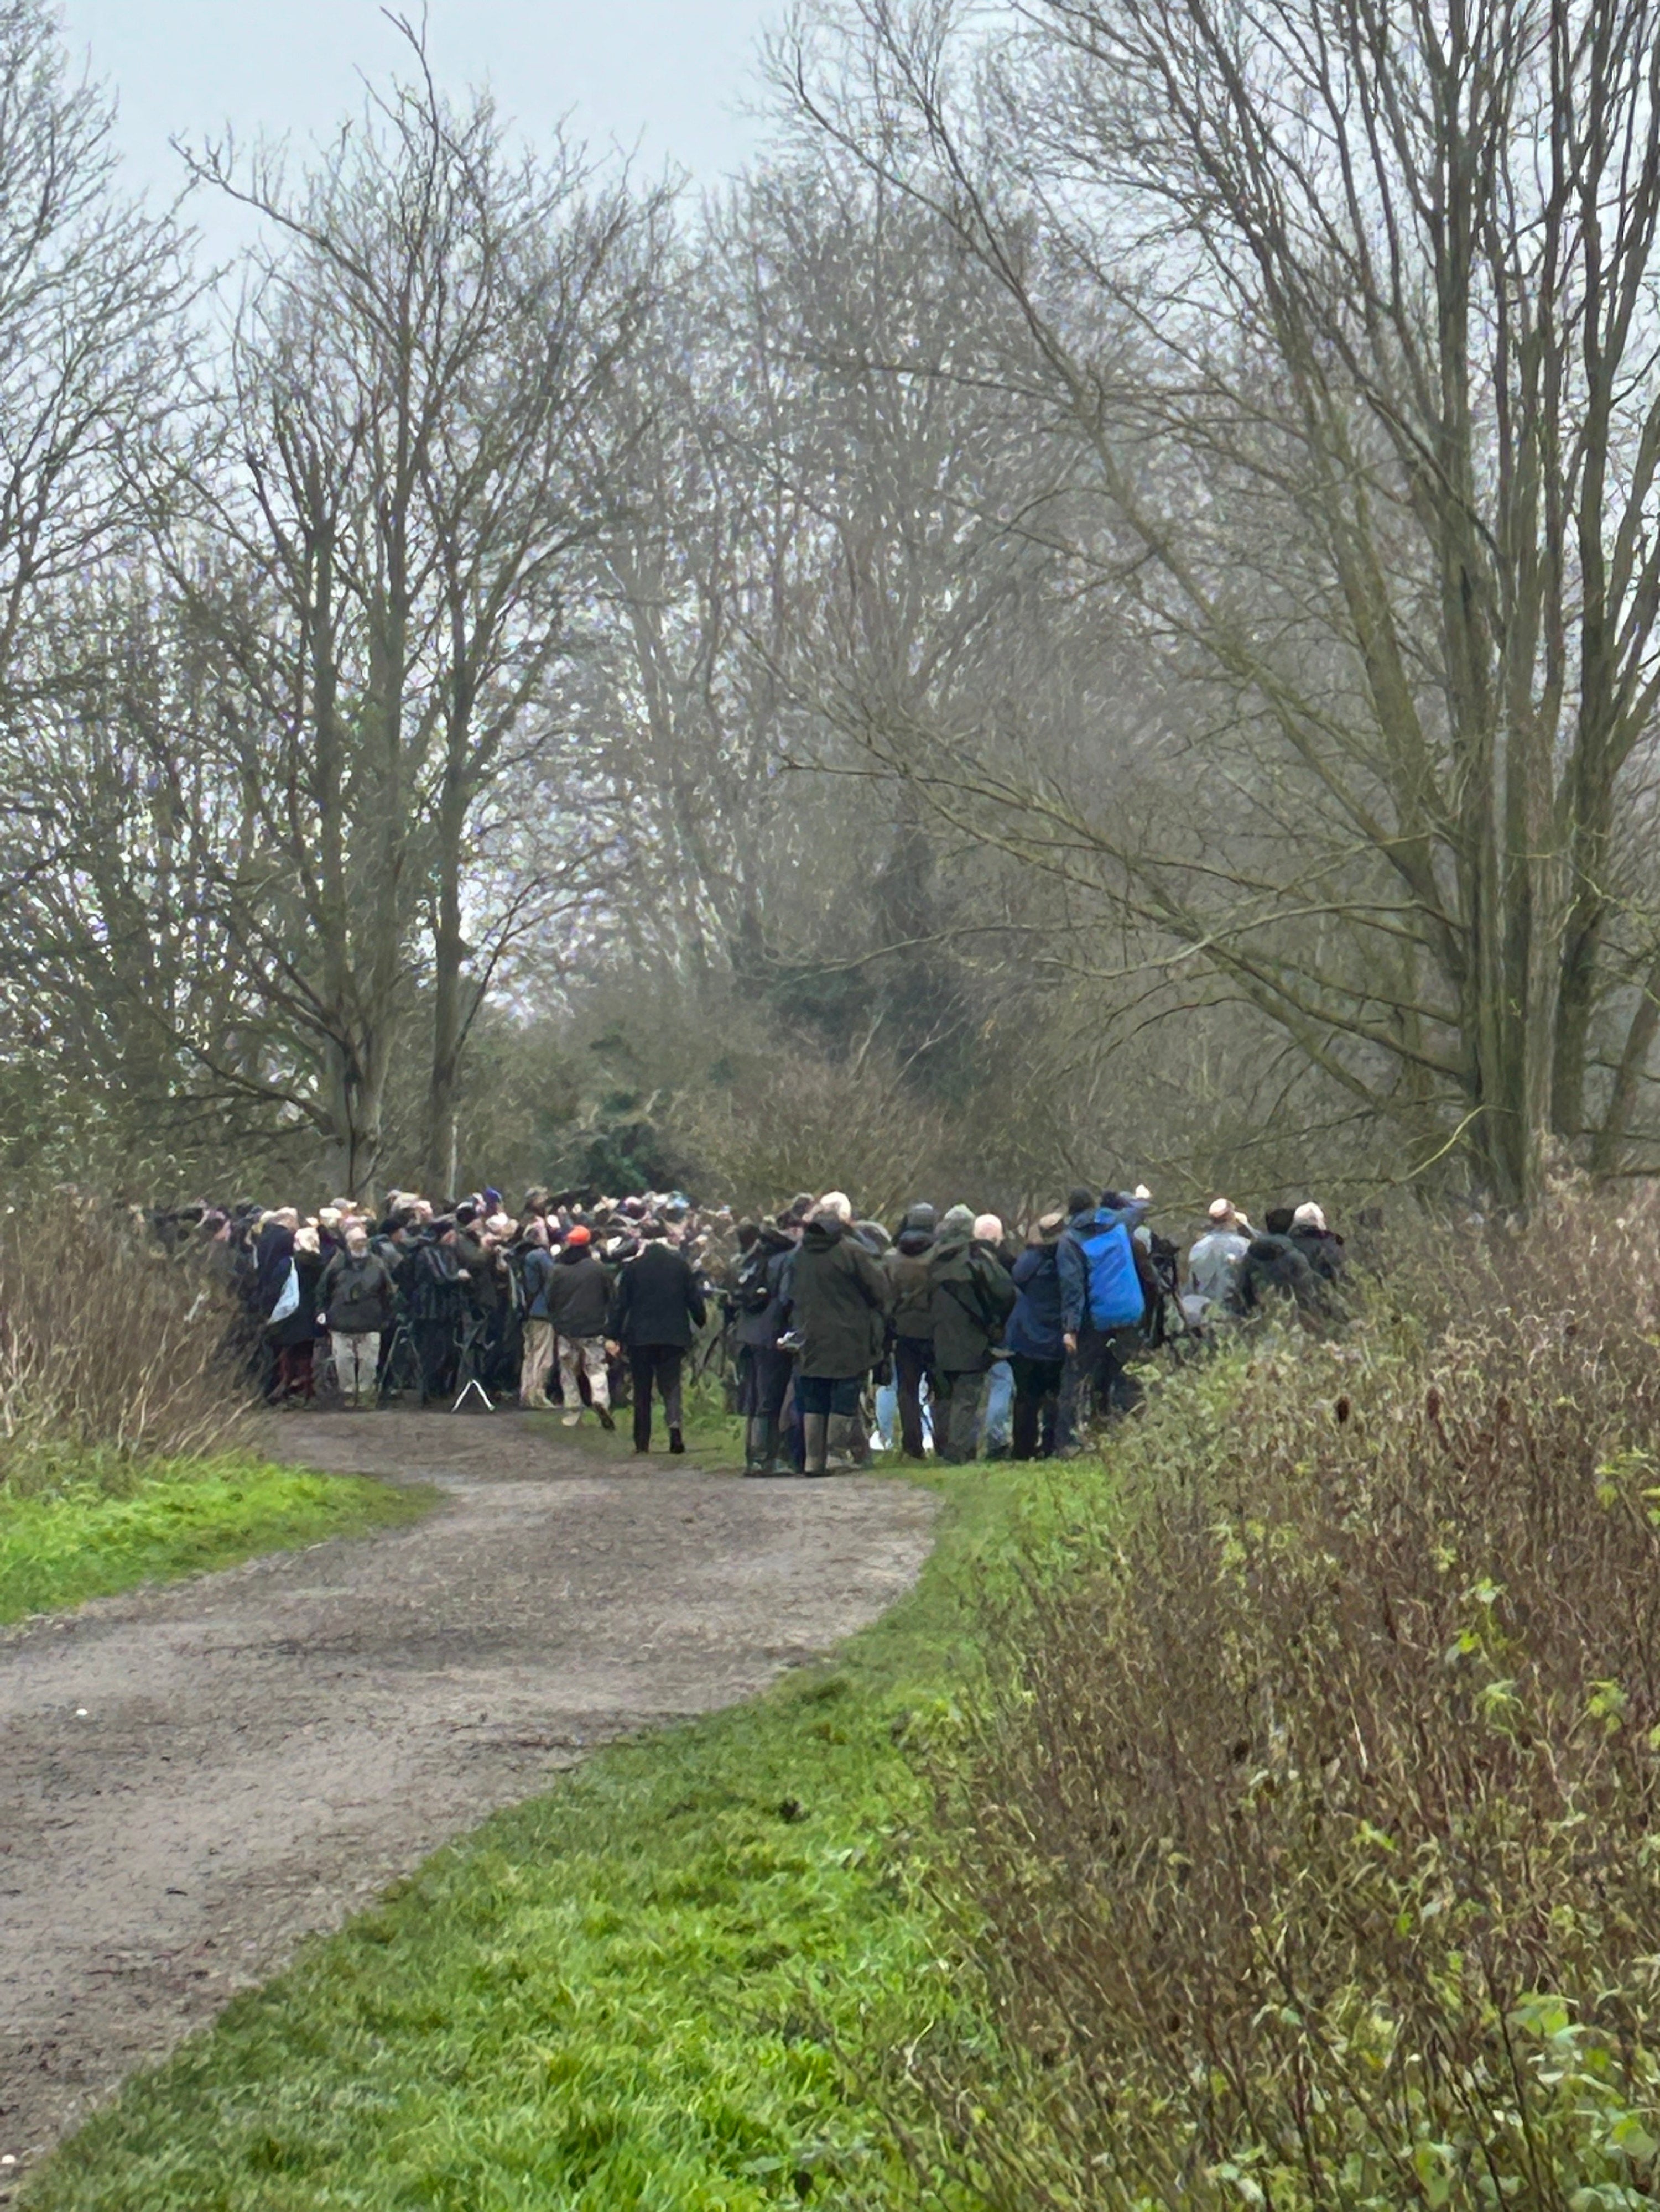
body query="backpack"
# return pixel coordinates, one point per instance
(1113, 1295)
(751, 1292)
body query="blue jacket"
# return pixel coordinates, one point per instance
(1035, 1325)
(539, 1267)
(1074, 1268)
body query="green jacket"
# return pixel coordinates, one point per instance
(907, 1267)
(973, 1297)
(839, 1302)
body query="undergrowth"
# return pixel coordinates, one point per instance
(1306, 1851)
(109, 1350)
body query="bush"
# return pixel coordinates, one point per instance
(111, 1355)
(1308, 1844)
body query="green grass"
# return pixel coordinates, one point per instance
(79, 1541)
(635, 1991)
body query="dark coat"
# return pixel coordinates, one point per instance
(485, 1286)
(913, 1290)
(431, 1281)
(300, 1326)
(271, 1259)
(972, 1298)
(579, 1293)
(762, 1328)
(1035, 1326)
(839, 1298)
(1272, 1273)
(1324, 1250)
(657, 1299)
(356, 1295)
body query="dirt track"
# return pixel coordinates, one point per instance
(193, 1777)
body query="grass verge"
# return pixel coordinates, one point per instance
(628, 1993)
(80, 1540)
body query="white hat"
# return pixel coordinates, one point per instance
(988, 1229)
(1308, 1216)
(1221, 1209)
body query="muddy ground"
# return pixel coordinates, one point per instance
(191, 1779)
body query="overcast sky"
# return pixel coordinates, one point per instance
(668, 76)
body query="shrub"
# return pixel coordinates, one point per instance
(110, 1353)
(1307, 1845)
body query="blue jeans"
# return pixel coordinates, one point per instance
(889, 1411)
(1000, 1405)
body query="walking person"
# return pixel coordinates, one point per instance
(578, 1301)
(356, 1296)
(656, 1309)
(839, 1300)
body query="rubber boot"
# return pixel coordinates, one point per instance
(761, 1445)
(814, 1430)
(843, 1452)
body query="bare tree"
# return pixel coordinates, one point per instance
(1349, 308)
(406, 470)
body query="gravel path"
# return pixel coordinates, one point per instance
(193, 1777)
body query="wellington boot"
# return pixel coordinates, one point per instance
(761, 1445)
(814, 1432)
(844, 1451)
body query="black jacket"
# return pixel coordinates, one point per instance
(840, 1298)
(907, 1267)
(578, 1295)
(1324, 1250)
(1272, 1273)
(762, 1326)
(657, 1299)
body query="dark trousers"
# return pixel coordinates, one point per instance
(763, 1379)
(913, 1365)
(657, 1364)
(434, 1348)
(831, 1394)
(956, 1415)
(1036, 1404)
(1096, 1375)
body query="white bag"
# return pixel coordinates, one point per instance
(288, 1299)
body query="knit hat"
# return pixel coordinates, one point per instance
(836, 1205)
(1308, 1216)
(1079, 1201)
(988, 1229)
(958, 1222)
(579, 1235)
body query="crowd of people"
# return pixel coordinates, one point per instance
(828, 1331)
